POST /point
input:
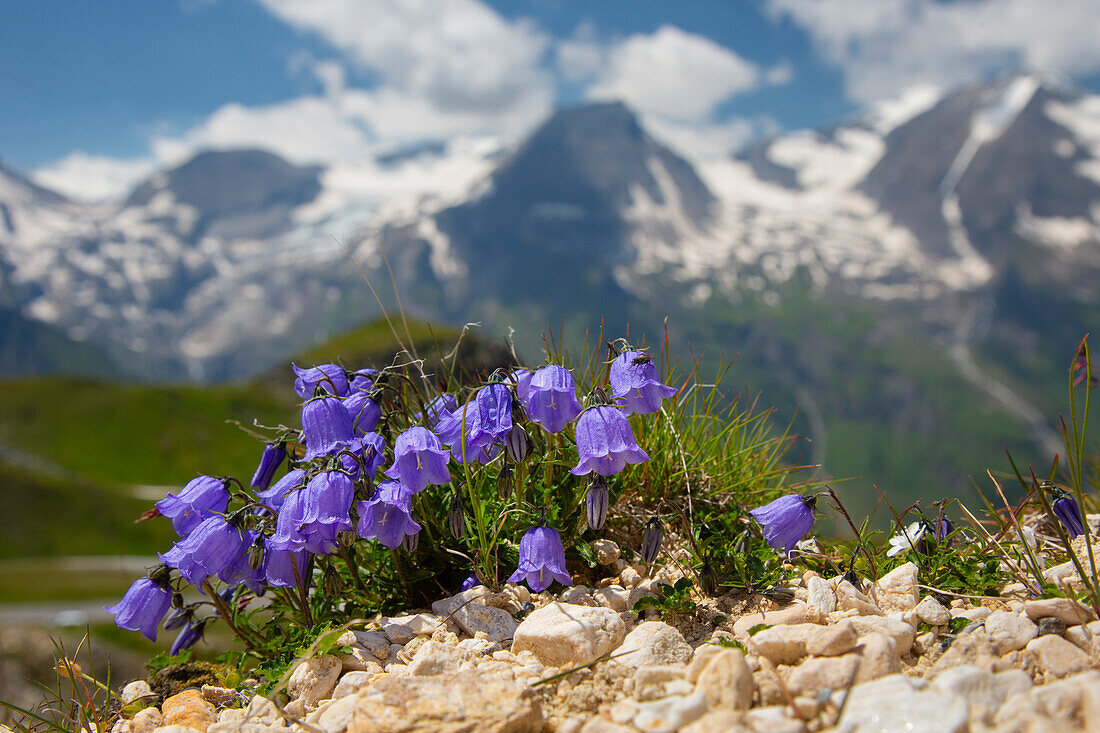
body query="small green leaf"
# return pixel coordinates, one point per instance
(758, 628)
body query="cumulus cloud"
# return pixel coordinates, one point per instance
(673, 73)
(90, 178)
(884, 45)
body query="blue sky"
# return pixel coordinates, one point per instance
(98, 94)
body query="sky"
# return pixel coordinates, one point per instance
(98, 95)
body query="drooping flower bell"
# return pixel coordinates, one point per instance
(188, 637)
(142, 607)
(245, 569)
(419, 460)
(652, 539)
(285, 568)
(362, 380)
(312, 517)
(274, 496)
(470, 582)
(328, 376)
(596, 503)
(440, 407)
(370, 452)
(326, 427)
(387, 517)
(551, 398)
(270, 460)
(635, 383)
(541, 560)
(1068, 512)
(365, 413)
(786, 520)
(209, 549)
(201, 498)
(517, 445)
(521, 379)
(605, 442)
(480, 425)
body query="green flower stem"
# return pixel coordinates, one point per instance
(253, 643)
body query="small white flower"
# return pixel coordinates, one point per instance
(808, 546)
(907, 540)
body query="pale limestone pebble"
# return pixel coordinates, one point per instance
(897, 703)
(360, 660)
(444, 607)
(314, 679)
(718, 721)
(975, 649)
(517, 593)
(564, 634)
(983, 691)
(121, 726)
(902, 633)
(146, 721)
(1075, 700)
(479, 644)
(726, 681)
(352, 681)
(924, 643)
(793, 613)
(177, 728)
(334, 715)
(398, 633)
(375, 643)
(787, 643)
(1066, 609)
(615, 597)
(433, 658)
(660, 680)
(607, 551)
(700, 658)
(220, 697)
(578, 595)
(973, 615)
(630, 577)
(878, 657)
(1009, 631)
(670, 714)
(419, 623)
(442, 634)
(190, 709)
(449, 703)
(773, 719)
(571, 725)
(653, 642)
(495, 623)
(602, 725)
(820, 595)
(1023, 713)
(1081, 637)
(822, 673)
(1057, 657)
(1065, 572)
(897, 590)
(133, 690)
(932, 612)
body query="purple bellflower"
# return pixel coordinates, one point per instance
(142, 607)
(634, 380)
(786, 520)
(521, 378)
(270, 460)
(328, 376)
(541, 560)
(362, 380)
(201, 498)
(488, 418)
(274, 496)
(419, 460)
(551, 398)
(371, 448)
(470, 582)
(188, 637)
(605, 442)
(596, 503)
(312, 517)
(365, 413)
(279, 567)
(1068, 513)
(440, 407)
(326, 427)
(241, 569)
(209, 549)
(388, 516)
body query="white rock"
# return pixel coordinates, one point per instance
(351, 682)
(1080, 637)
(662, 680)
(1066, 609)
(774, 719)
(420, 623)
(563, 634)
(901, 632)
(793, 613)
(983, 691)
(314, 679)
(878, 657)
(433, 658)
(820, 595)
(375, 642)
(726, 680)
(146, 721)
(615, 597)
(670, 714)
(630, 577)
(653, 642)
(787, 643)
(1009, 632)
(1056, 656)
(579, 594)
(398, 633)
(446, 606)
(932, 612)
(607, 552)
(134, 690)
(886, 705)
(897, 590)
(496, 623)
(823, 673)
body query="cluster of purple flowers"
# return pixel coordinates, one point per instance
(329, 492)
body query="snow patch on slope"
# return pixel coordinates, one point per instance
(1082, 119)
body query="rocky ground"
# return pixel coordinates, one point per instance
(836, 658)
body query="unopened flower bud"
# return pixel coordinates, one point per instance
(596, 503)
(256, 554)
(410, 541)
(331, 581)
(651, 539)
(456, 518)
(504, 482)
(178, 619)
(517, 444)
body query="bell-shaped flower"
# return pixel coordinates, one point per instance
(270, 460)
(635, 383)
(371, 450)
(311, 518)
(551, 398)
(284, 568)
(188, 637)
(521, 379)
(201, 498)
(387, 517)
(440, 407)
(241, 570)
(605, 442)
(142, 607)
(274, 496)
(362, 380)
(470, 582)
(326, 427)
(419, 460)
(328, 376)
(210, 548)
(786, 520)
(480, 425)
(1068, 512)
(365, 413)
(541, 560)
(652, 539)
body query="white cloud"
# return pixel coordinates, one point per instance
(581, 57)
(84, 177)
(673, 73)
(885, 45)
(705, 140)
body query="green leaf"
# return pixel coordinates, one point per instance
(758, 628)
